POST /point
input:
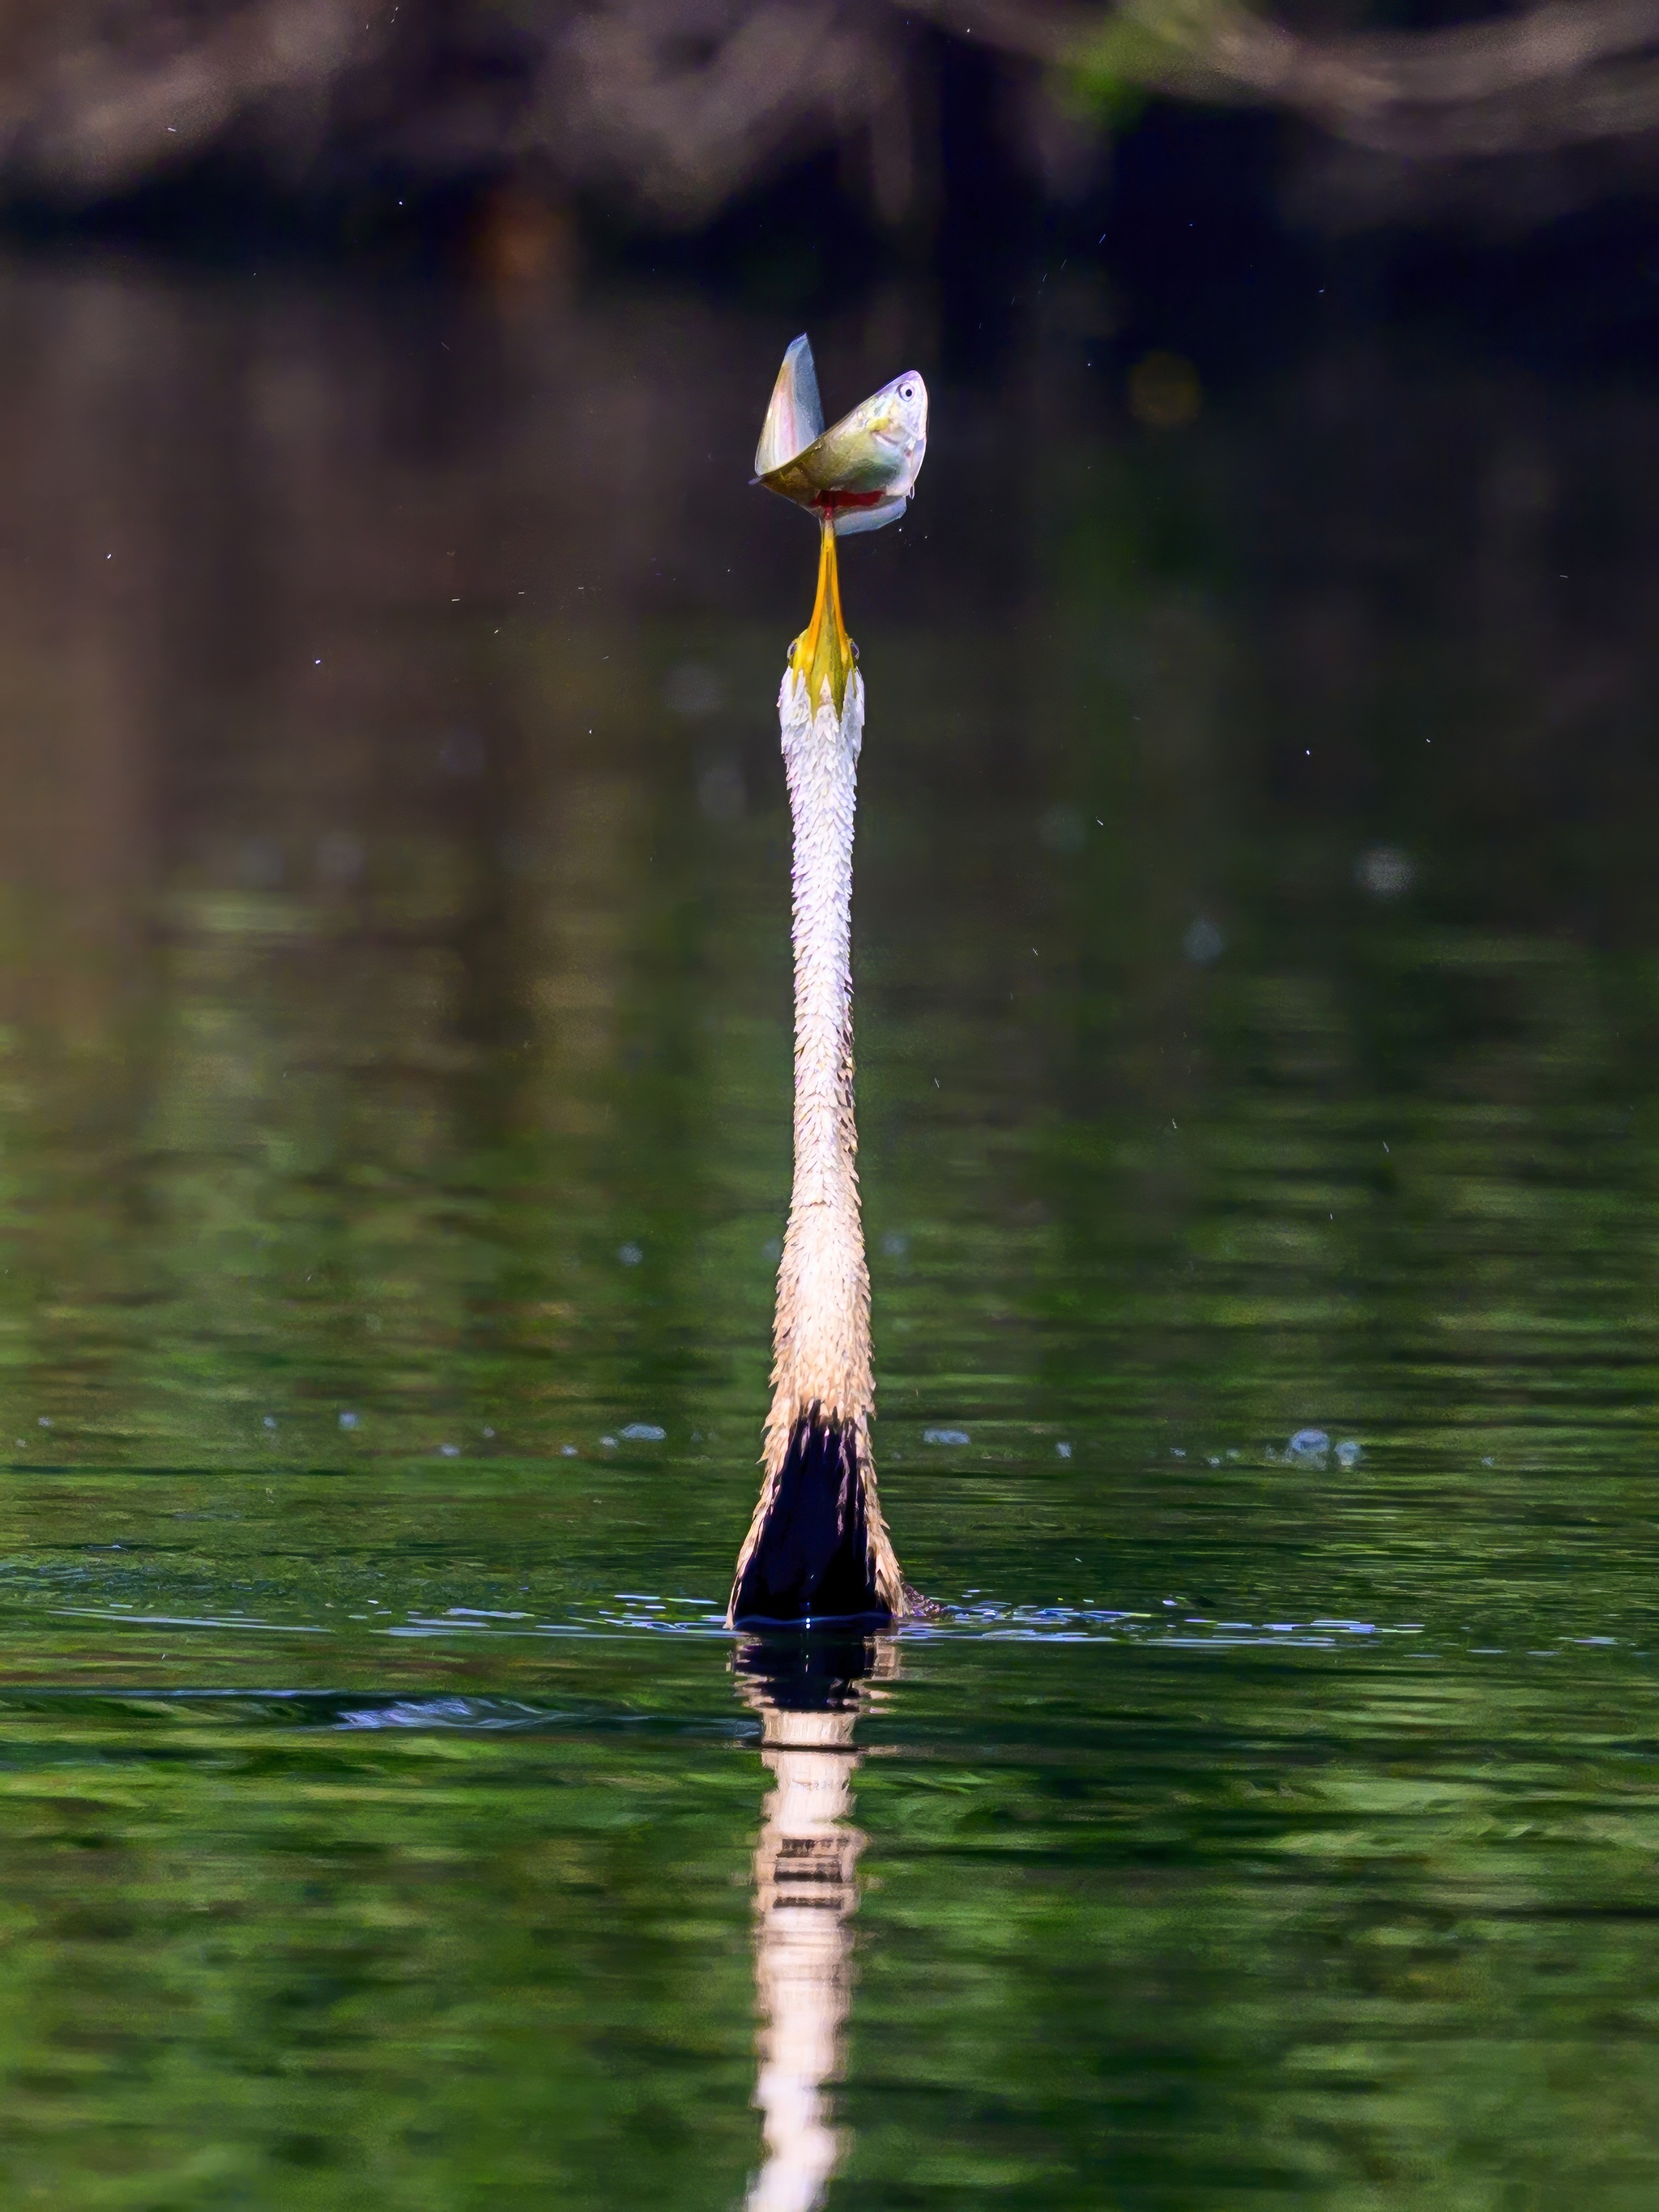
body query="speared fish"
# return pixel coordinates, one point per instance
(861, 472)
(859, 475)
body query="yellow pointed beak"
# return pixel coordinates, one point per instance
(823, 654)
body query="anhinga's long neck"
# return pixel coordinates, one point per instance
(817, 1546)
(822, 1335)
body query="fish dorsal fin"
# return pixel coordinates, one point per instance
(795, 417)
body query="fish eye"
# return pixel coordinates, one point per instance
(907, 392)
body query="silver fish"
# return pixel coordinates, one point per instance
(861, 472)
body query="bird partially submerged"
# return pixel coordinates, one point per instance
(818, 1547)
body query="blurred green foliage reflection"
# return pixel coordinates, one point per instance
(1259, 1034)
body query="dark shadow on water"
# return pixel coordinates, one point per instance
(808, 1670)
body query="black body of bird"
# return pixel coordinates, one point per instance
(812, 1559)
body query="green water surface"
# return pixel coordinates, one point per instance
(1258, 1013)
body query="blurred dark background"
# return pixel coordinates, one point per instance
(1500, 162)
(1256, 937)
(389, 637)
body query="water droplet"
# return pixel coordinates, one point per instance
(1203, 942)
(1384, 872)
(644, 1433)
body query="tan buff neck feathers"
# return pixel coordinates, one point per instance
(821, 1333)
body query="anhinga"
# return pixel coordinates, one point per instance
(818, 1547)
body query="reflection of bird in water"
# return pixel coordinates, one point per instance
(817, 1547)
(805, 1894)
